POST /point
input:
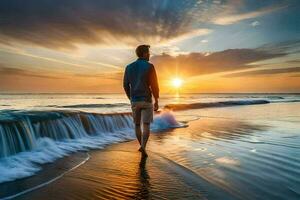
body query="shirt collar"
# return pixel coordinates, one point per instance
(142, 59)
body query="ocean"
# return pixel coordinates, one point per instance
(246, 144)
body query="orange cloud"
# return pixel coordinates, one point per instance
(195, 64)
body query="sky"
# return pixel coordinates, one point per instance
(214, 46)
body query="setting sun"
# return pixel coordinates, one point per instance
(177, 82)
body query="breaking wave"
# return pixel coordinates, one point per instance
(215, 104)
(94, 105)
(30, 139)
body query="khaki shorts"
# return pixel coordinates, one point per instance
(142, 111)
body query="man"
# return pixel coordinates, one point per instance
(140, 83)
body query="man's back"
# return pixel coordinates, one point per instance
(140, 81)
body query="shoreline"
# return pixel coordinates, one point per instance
(233, 155)
(119, 172)
(50, 173)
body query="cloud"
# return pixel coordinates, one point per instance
(65, 24)
(255, 23)
(297, 61)
(23, 53)
(296, 75)
(194, 64)
(191, 34)
(234, 18)
(289, 47)
(112, 76)
(9, 71)
(265, 72)
(230, 60)
(217, 2)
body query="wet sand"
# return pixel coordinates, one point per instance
(213, 158)
(118, 172)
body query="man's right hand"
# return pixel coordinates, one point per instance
(155, 106)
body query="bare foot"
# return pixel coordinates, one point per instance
(144, 153)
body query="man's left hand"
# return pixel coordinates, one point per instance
(155, 106)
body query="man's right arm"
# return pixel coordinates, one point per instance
(126, 84)
(154, 86)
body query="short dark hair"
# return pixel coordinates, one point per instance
(141, 49)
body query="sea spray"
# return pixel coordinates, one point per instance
(165, 120)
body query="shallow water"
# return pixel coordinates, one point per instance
(247, 152)
(112, 103)
(251, 152)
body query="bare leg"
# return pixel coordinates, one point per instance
(138, 133)
(146, 132)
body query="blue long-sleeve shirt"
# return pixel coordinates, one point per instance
(140, 81)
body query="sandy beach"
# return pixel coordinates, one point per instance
(212, 158)
(120, 172)
(241, 152)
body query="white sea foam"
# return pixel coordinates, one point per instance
(26, 164)
(165, 120)
(47, 150)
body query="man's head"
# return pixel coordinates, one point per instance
(142, 51)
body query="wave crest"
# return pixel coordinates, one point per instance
(214, 104)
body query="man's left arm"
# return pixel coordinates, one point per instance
(126, 84)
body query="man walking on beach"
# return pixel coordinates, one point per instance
(140, 83)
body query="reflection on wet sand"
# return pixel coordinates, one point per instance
(247, 159)
(211, 159)
(144, 178)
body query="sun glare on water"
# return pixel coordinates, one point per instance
(177, 82)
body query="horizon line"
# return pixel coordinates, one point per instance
(18, 93)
